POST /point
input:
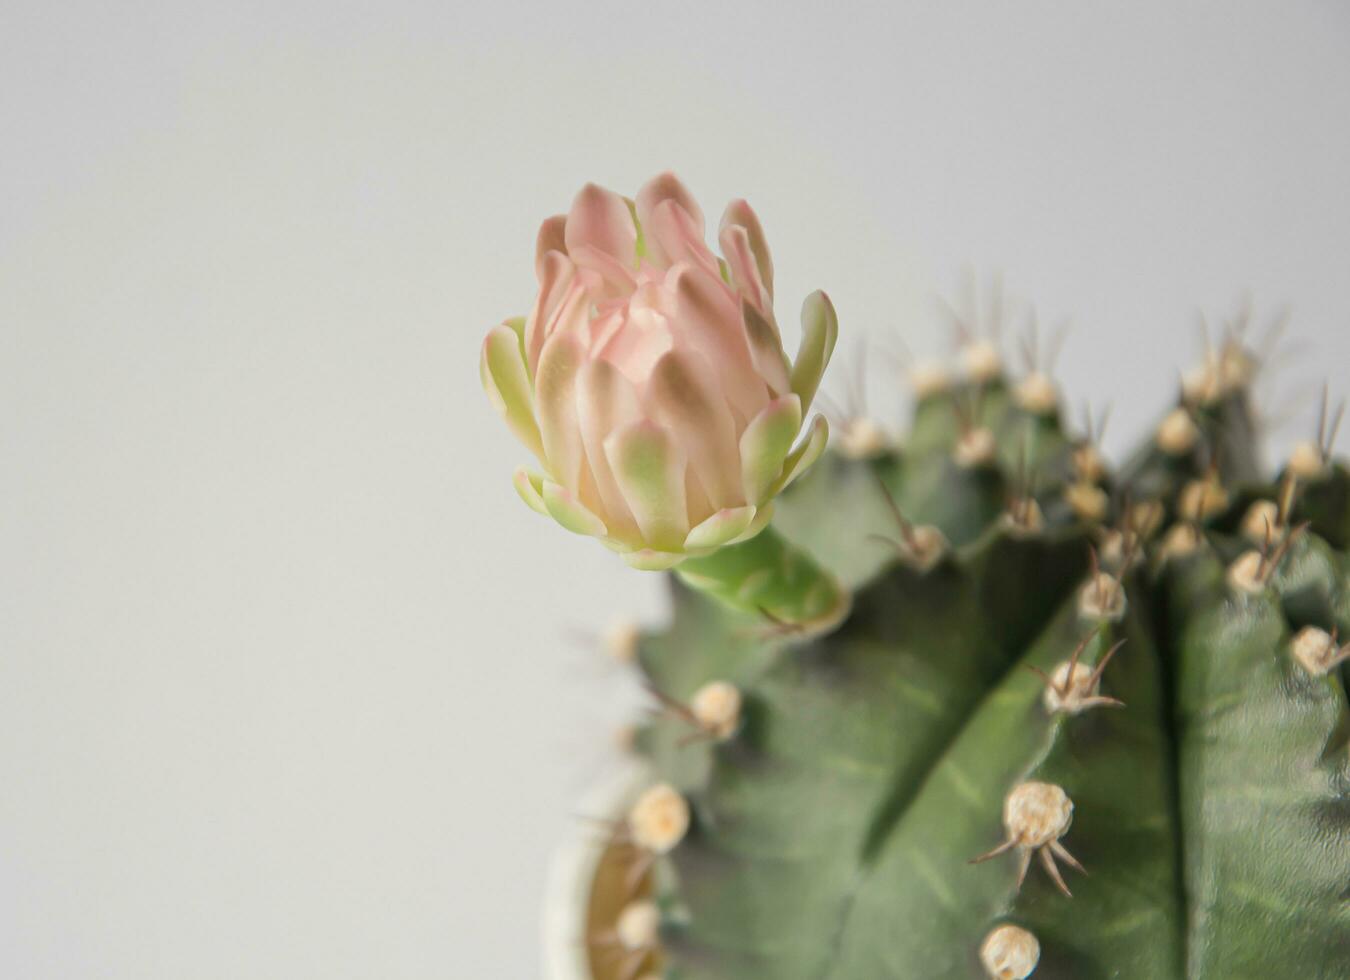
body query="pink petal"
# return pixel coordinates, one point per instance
(601, 222)
(667, 187)
(739, 214)
(556, 275)
(673, 235)
(606, 403)
(550, 239)
(766, 349)
(684, 396)
(708, 321)
(642, 338)
(744, 272)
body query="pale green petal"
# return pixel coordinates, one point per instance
(649, 467)
(555, 391)
(820, 330)
(763, 514)
(649, 560)
(765, 444)
(722, 527)
(507, 383)
(567, 510)
(530, 486)
(804, 456)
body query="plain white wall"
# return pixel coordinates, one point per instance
(287, 682)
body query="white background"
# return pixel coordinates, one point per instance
(289, 682)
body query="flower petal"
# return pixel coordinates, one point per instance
(600, 220)
(683, 395)
(766, 443)
(763, 514)
(667, 187)
(766, 349)
(601, 240)
(724, 526)
(567, 510)
(710, 324)
(555, 395)
(805, 455)
(741, 265)
(739, 214)
(551, 238)
(820, 330)
(606, 403)
(673, 235)
(556, 277)
(530, 486)
(648, 560)
(507, 383)
(649, 465)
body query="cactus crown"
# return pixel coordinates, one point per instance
(1076, 722)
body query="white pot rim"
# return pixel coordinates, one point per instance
(572, 871)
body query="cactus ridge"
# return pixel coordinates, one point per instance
(1192, 794)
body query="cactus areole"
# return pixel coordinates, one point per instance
(978, 704)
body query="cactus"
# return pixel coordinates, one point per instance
(1105, 741)
(1063, 722)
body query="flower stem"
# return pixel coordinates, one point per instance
(768, 575)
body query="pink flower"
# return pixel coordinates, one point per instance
(650, 379)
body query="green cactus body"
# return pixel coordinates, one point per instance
(832, 833)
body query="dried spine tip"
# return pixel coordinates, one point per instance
(639, 926)
(659, 819)
(1073, 687)
(1249, 573)
(1180, 541)
(1307, 461)
(1069, 685)
(1237, 366)
(1200, 385)
(1088, 465)
(1101, 597)
(982, 361)
(862, 438)
(1230, 370)
(1024, 516)
(1037, 394)
(1177, 433)
(1111, 547)
(1201, 499)
(717, 708)
(920, 546)
(1261, 521)
(1088, 501)
(1317, 652)
(928, 378)
(975, 448)
(1010, 953)
(1145, 517)
(621, 641)
(924, 545)
(1252, 571)
(1035, 816)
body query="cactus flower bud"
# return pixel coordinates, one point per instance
(650, 379)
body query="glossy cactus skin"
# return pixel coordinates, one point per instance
(832, 835)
